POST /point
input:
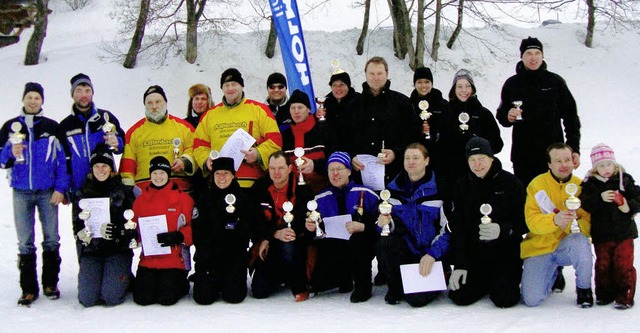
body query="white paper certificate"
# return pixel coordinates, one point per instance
(239, 140)
(99, 208)
(413, 282)
(150, 227)
(373, 172)
(335, 226)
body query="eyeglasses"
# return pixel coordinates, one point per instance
(276, 86)
(336, 170)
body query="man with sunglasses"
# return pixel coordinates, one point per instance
(278, 99)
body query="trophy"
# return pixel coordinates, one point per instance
(108, 129)
(425, 115)
(463, 118)
(17, 138)
(385, 208)
(572, 203)
(287, 206)
(130, 225)
(230, 199)
(214, 154)
(381, 154)
(517, 105)
(299, 152)
(320, 101)
(314, 216)
(176, 147)
(485, 210)
(84, 215)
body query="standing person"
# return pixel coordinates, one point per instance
(336, 105)
(39, 178)
(550, 242)
(221, 233)
(84, 130)
(200, 100)
(341, 262)
(612, 197)
(463, 99)
(278, 99)
(417, 224)
(236, 111)
(282, 255)
(381, 121)
(153, 136)
(162, 278)
(486, 256)
(105, 262)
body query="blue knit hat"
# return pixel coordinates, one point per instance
(340, 157)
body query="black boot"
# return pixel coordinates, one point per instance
(585, 298)
(50, 271)
(28, 278)
(559, 283)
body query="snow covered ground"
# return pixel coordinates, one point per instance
(604, 81)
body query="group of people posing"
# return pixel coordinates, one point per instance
(293, 211)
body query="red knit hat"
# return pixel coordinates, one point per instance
(602, 152)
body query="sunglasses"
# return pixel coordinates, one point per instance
(276, 86)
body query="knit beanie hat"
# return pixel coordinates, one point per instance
(154, 90)
(478, 145)
(223, 163)
(229, 75)
(300, 97)
(602, 152)
(530, 43)
(340, 75)
(422, 73)
(276, 78)
(33, 86)
(340, 157)
(79, 79)
(160, 163)
(461, 74)
(101, 154)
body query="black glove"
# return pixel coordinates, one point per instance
(118, 233)
(170, 238)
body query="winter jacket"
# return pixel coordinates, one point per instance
(506, 195)
(82, 135)
(177, 206)
(120, 199)
(219, 123)
(546, 101)
(608, 223)
(546, 196)
(418, 215)
(335, 201)
(439, 108)
(45, 167)
(146, 140)
(281, 113)
(338, 113)
(481, 123)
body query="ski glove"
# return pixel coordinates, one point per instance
(170, 238)
(84, 236)
(118, 232)
(458, 277)
(489, 231)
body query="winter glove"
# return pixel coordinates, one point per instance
(170, 238)
(489, 231)
(117, 232)
(458, 277)
(84, 236)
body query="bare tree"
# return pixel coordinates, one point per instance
(365, 28)
(136, 41)
(271, 40)
(458, 28)
(419, 58)
(591, 22)
(34, 46)
(195, 8)
(435, 45)
(402, 33)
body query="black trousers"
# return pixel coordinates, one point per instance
(224, 274)
(161, 286)
(285, 263)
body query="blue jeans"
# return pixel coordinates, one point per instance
(103, 278)
(24, 209)
(540, 271)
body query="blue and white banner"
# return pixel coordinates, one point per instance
(294, 53)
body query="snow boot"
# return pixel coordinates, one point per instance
(585, 297)
(50, 270)
(28, 278)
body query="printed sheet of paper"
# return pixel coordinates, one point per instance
(150, 227)
(239, 140)
(544, 202)
(413, 282)
(373, 172)
(334, 226)
(99, 208)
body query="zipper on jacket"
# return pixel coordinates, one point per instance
(30, 130)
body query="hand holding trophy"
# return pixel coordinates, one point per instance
(425, 115)
(176, 147)
(314, 216)
(130, 225)
(517, 105)
(385, 209)
(108, 129)
(463, 118)
(299, 152)
(573, 203)
(287, 206)
(16, 138)
(320, 101)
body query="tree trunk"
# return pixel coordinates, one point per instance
(192, 32)
(456, 32)
(398, 47)
(435, 46)
(419, 57)
(34, 46)
(271, 41)
(591, 22)
(406, 33)
(138, 35)
(365, 28)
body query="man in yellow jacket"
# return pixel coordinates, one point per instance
(552, 241)
(234, 112)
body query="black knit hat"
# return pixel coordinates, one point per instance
(223, 163)
(530, 43)
(478, 145)
(276, 78)
(229, 75)
(33, 86)
(160, 163)
(300, 97)
(340, 76)
(422, 73)
(79, 79)
(102, 154)
(154, 90)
